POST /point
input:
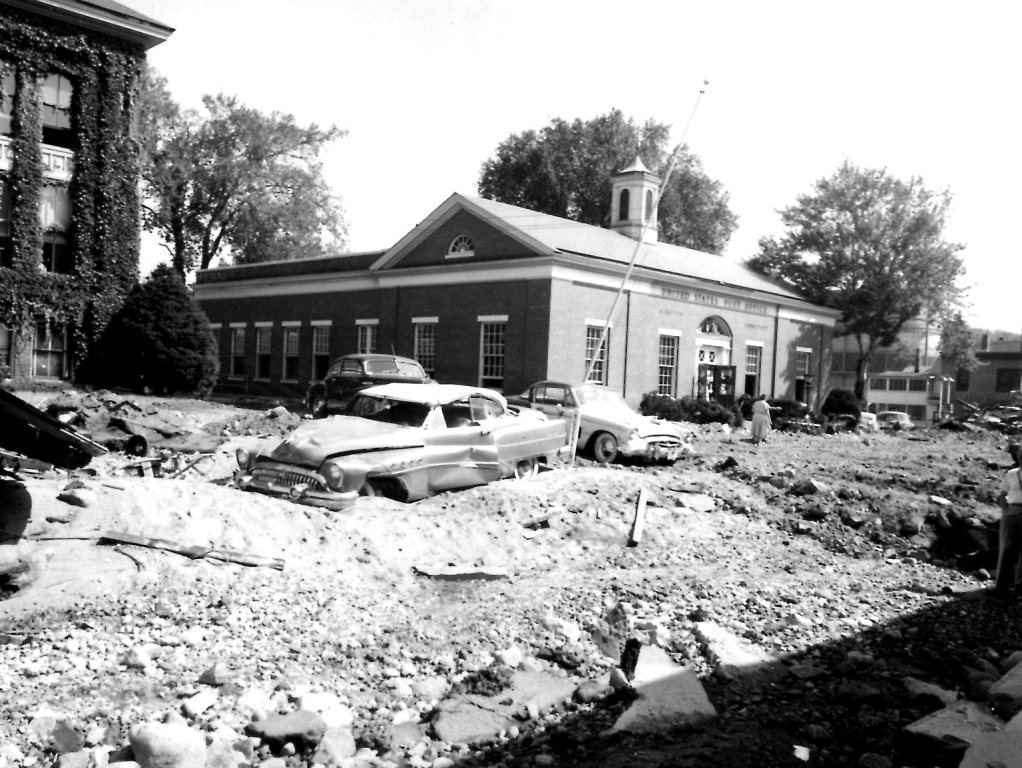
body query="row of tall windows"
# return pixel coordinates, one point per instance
(56, 92)
(49, 351)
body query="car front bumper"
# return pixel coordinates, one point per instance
(294, 484)
(651, 450)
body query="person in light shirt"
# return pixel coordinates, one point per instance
(1009, 557)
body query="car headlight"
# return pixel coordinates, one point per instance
(243, 457)
(333, 475)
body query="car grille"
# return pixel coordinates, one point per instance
(287, 478)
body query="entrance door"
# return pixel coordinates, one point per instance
(716, 383)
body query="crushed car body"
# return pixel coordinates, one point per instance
(405, 442)
(608, 427)
(27, 430)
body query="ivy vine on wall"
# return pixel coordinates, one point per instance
(103, 236)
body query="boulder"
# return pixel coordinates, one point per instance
(167, 745)
(668, 696)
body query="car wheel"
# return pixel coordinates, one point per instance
(605, 447)
(526, 469)
(317, 407)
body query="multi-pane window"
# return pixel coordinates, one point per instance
(5, 223)
(667, 378)
(291, 353)
(263, 352)
(753, 367)
(802, 363)
(878, 384)
(917, 385)
(50, 351)
(425, 346)
(55, 219)
(897, 385)
(1008, 379)
(237, 351)
(320, 351)
(916, 412)
(599, 369)
(56, 111)
(366, 344)
(491, 354)
(7, 87)
(6, 345)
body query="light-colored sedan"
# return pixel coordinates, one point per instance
(608, 427)
(894, 420)
(406, 442)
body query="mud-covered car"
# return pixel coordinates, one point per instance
(608, 427)
(350, 374)
(406, 442)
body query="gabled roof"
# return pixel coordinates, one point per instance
(551, 235)
(106, 16)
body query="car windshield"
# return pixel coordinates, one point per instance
(598, 396)
(394, 367)
(390, 411)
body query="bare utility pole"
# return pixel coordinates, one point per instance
(642, 237)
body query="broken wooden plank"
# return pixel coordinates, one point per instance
(193, 552)
(640, 520)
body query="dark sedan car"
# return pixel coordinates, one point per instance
(350, 374)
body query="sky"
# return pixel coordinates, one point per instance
(427, 90)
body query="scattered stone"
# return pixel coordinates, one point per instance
(167, 745)
(302, 728)
(733, 656)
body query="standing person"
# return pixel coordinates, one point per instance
(1009, 556)
(760, 420)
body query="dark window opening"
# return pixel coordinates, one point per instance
(57, 254)
(962, 380)
(622, 209)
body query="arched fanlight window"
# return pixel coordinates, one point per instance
(460, 246)
(622, 208)
(715, 326)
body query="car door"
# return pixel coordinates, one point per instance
(342, 382)
(463, 453)
(552, 399)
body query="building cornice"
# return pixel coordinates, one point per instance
(117, 21)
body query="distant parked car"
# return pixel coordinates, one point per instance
(867, 422)
(406, 442)
(608, 427)
(894, 420)
(350, 374)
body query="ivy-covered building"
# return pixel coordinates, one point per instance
(69, 200)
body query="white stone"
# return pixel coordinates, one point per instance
(669, 696)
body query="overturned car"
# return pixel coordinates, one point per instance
(405, 442)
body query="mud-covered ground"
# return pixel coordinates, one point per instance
(854, 562)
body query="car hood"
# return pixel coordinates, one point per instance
(627, 419)
(317, 440)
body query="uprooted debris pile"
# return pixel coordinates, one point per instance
(136, 428)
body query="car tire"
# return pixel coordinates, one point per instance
(317, 407)
(526, 469)
(604, 447)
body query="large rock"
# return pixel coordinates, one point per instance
(167, 745)
(946, 733)
(669, 696)
(1003, 750)
(471, 718)
(734, 656)
(301, 728)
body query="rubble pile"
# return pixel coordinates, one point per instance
(817, 600)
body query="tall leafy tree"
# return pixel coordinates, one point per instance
(565, 169)
(869, 245)
(230, 179)
(956, 343)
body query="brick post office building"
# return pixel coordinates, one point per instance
(486, 293)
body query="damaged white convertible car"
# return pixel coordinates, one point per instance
(406, 442)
